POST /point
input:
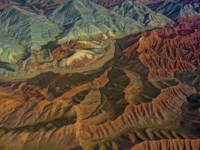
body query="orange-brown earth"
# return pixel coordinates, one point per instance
(169, 145)
(146, 97)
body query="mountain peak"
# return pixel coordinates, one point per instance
(28, 28)
(73, 11)
(89, 17)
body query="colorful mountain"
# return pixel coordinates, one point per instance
(99, 75)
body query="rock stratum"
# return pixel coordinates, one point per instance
(99, 75)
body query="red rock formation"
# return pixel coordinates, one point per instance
(169, 48)
(62, 51)
(31, 92)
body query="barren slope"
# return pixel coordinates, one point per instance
(138, 92)
(153, 101)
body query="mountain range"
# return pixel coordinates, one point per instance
(80, 20)
(99, 75)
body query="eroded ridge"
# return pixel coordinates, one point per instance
(148, 95)
(168, 145)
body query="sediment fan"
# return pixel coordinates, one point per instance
(99, 75)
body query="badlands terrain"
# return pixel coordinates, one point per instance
(99, 75)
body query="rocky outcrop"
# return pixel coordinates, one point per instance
(78, 59)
